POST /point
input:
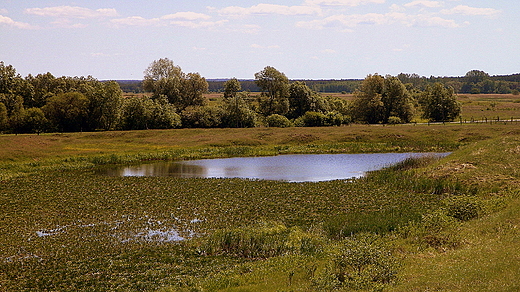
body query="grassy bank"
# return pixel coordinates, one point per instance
(448, 225)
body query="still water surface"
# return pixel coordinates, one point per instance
(292, 168)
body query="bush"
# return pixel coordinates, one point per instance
(515, 92)
(313, 119)
(279, 121)
(333, 119)
(463, 208)
(201, 117)
(394, 120)
(359, 263)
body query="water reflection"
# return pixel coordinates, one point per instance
(175, 169)
(292, 168)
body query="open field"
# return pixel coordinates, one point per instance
(442, 225)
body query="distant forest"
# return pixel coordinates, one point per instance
(474, 82)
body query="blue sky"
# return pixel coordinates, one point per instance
(310, 39)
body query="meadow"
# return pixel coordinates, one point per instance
(423, 225)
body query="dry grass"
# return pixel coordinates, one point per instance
(36, 147)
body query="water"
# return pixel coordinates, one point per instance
(291, 168)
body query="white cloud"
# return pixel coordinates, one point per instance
(342, 21)
(4, 20)
(426, 20)
(342, 2)
(397, 8)
(467, 10)
(202, 24)
(186, 15)
(264, 9)
(3, 11)
(426, 3)
(136, 21)
(72, 12)
(66, 23)
(184, 19)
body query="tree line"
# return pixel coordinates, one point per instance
(175, 99)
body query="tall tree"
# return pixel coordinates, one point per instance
(34, 121)
(237, 113)
(380, 98)
(105, 101)
(68, 111)
(302, 99)
(440, 104)
(162, 77)
(231, 88)
(396, 99)
(274, 85)
(4, 118)
(368, 105)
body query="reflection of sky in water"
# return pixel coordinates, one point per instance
(294, 168)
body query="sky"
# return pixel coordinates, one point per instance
(305, 39)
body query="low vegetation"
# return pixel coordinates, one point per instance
(449, 224)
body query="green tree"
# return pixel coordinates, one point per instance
(34, 121)
(162, 77)
(396, 100)
(302, 99)
(274, 85)
(476, 76)
(163, 115)
(16, 116)
(44, 86)
(8, 78)
(231, 88)
(68, 112)
(4, 118)
(368, 105)
(136, 113)
(379, 98)
(105, 103)
(440, 104)
(202, 117)
(237, 113)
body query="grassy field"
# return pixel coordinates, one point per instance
(427, 225)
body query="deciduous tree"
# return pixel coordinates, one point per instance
(440, 104)
(231, 88)
(162, 77)
(380, 98)
(275, 91)
(68, 112)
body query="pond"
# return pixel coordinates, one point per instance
(291, 168)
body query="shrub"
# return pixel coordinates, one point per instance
(394, 120)
(201, 117)
(359, 263)
(515, 92)
(279, 121)
(313, 119)
(463, 208)
(333, 119)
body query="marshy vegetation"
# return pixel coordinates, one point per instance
(422, 224)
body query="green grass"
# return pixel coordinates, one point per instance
(64, 227)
